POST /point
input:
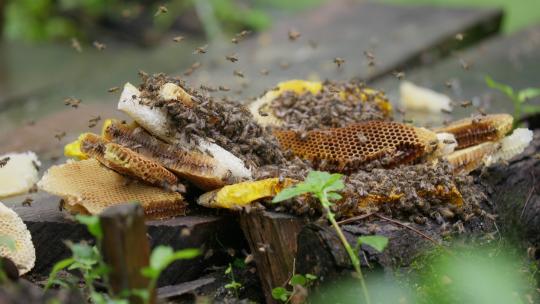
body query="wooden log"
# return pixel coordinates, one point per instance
(125, 249)
(50, 227)
(272, 240)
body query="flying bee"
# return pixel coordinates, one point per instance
(464, 64)
(459, 36)
(73, 102)
(92, 122)
(76, 45)
(162, 9)
(264, 72)
(293, 35)
(27, 202)
(482, 111)
(238, 73)
(446, 111)
(448, 84)
(370, 57)
(284, 65)
(178, 39)
(4, 161)
(224, 88)
(201, 50)
(208, 88)
(339, 61)
(399, 74)
(234, 40)
(113, 89)
(60, 135)
(466, 103)
(232, 58)
(99, 46)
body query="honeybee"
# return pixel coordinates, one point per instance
(4, 161)
(339, 61)
(99, 46)
(293, 35)
(76, 45)
(201, 50)
(162, 9)
(178, 39)
(238, 73)
(113, 89)
(232, 58)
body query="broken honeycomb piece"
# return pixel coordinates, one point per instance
(469, 159)
(202, 170)
(243, 194)
(347, 149)
(18, 173)
(87, 186)
(126, 161)
(13, 230)
(472, 131)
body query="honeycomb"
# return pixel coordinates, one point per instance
(89, 187)
(472, 131)
(469, 159)
(200, 169)
(126, 161)
(244, 193)
(348, 149)
(24, 253)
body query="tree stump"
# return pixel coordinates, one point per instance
(272, 240)
(125, 249)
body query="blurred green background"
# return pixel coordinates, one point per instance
(140, 21)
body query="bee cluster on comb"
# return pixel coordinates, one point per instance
(182, 138)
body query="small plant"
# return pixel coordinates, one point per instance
(518, 98)
(284, 295)
(233, 284)
(88, 260)
(323, 186)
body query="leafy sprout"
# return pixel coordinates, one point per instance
(324, 186)
(519, 98)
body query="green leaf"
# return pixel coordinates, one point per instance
(229, 269)
(333, 196)
(56, 268)
(8, 242)
(378, 242)
(501, 87)
(289, 193)
(311, 277)
(527, 94)
(92, 224)
(233, 285)
(298, 279)
(531, 109)
(163, 256)
(281, 294)
(84, 254)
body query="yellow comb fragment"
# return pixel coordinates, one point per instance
(243, 194)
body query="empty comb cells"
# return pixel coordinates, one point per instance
(90, 187)
(471, 131)
(201, 169)
(346, 149)
(126, 161)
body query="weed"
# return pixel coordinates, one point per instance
(323, 186)
(284, 295)
(233, 284)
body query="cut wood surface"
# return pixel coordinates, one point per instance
(272, 239)
(125, 249)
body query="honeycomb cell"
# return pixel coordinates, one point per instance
(126, 161)
(341, 149)
(472, 131)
